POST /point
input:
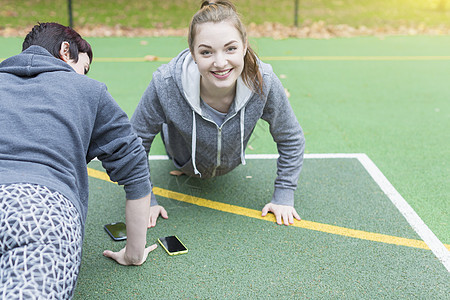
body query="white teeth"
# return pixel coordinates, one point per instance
(222, 73)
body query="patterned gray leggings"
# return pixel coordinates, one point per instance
(40, 243)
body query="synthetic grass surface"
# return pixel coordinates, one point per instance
(232, 256)
(395, 110)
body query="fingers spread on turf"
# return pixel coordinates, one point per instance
(265, 210)
(152, 222)
(278, 217)
(151, 248)
(146, 252)
(164, 213)
(291, 219)
(286, 218)
(109, 253)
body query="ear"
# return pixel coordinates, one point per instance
(245, 47)
(64, 53)
(193, 57)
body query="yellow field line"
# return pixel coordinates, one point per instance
(256, 214)
(131, 59)
(354, 58)
(98, 174)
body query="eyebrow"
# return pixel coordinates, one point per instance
(209, 47)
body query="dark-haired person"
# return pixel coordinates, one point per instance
(206, 103)
(53, 121)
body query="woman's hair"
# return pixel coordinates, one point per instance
(224, 10)
(51, 35)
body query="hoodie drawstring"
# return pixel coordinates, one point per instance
(194, 140)
(194, 143)
(242, 136)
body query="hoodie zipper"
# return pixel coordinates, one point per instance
(219, 149)
(219, 141)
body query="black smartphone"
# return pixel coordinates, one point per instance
(172, 245)
(117, 231)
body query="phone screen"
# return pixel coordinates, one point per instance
(117, 231)
(172, 245)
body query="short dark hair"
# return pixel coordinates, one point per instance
(51, 35)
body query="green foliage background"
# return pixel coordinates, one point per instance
(177, 13)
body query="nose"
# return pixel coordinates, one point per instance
(220, 60)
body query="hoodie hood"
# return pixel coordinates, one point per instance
(33, 61)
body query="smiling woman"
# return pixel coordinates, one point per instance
(206, 103)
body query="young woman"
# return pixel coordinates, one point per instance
(53, 120)
(206, 103)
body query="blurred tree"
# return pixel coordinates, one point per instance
(69, 6)
(296, 13)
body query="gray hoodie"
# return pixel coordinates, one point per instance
(201, 148)
(53, 121)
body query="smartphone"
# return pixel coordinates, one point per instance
(172, 245)
(117, 231)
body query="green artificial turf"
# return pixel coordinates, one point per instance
(394, 110)
(232, 256)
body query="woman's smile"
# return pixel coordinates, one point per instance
(223, 74)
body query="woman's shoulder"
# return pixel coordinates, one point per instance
(268, 74)
(265, 68)
(174, 66)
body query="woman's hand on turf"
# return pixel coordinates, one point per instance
(155, 211)
(123, 258)
(282, 213)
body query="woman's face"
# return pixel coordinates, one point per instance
(219, 53)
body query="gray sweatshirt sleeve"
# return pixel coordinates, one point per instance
(288, 135)
(148, 118)
(119, 149)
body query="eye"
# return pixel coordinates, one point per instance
(205, 52)
(231, 48)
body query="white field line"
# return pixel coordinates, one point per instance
(405, 209)
(275, 156)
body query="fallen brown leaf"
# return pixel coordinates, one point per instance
(150, 58)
